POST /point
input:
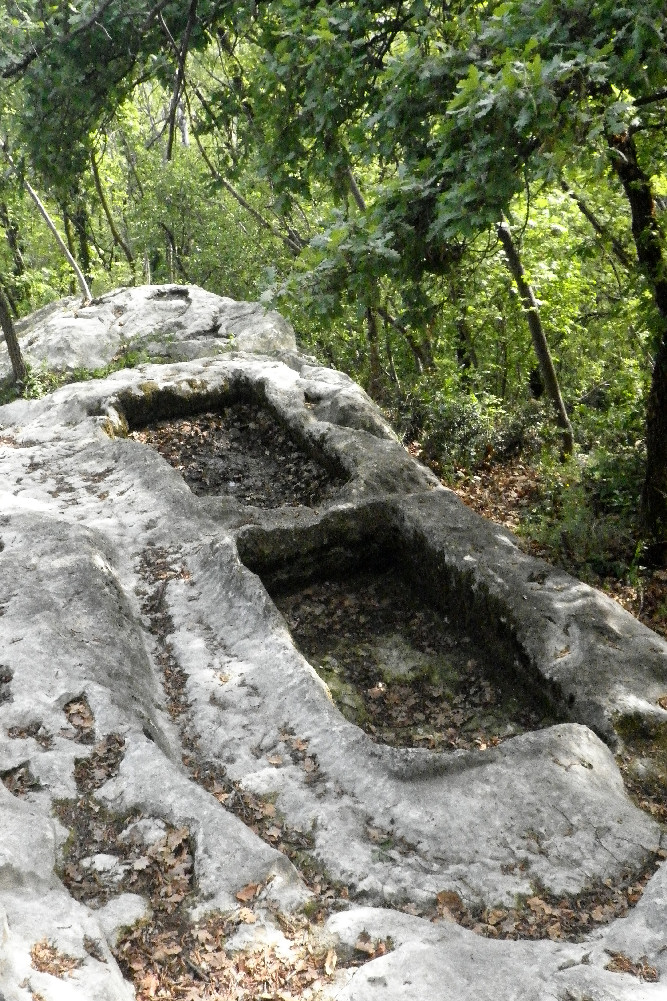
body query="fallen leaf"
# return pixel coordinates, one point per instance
(275, 759)
(247, 892)
(164, 951)
(46, 958)
(177, 837)
(330, 962)
(149, 984)
(246, 916)
(364, 944)
(450, 900)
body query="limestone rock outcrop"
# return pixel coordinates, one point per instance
(142, 661)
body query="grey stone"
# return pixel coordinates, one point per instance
(121, 912)
(172, 321)
(447, 962)
(81, 505)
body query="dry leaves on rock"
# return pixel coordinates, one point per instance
(102, 764)
(191, 961)
(547, 915)
(36, 730)
(46, 958)
(157, 567)
(20, 780)
(80, 717)
(372, 948)
(347, 628)
(620, 963)
(247, 893)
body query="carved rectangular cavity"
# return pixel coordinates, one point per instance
(240, 449)
(410, 668)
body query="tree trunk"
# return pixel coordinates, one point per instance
(540, 343)
(13, 347)
(83, 284)
(375, 379)
(79, 219)
(466, 355)
(13, 239)
(646, 234)
(118, 239)
(390, 356)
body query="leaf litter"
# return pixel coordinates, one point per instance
(244, 452)
(395, 667)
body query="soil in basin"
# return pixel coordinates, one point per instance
(395, 666)
(242, 451)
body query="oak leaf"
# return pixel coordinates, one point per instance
(248, 891)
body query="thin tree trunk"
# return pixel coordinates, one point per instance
(80, 222)
(423, 358)
(118, 239)
(390, 357)
(294, 245)
(13, 347)
(67, 224)
(173, 256)
(465, 349)
(375, 380)
(646, 234)
(537, 334)
(83, 284)
(180, 74)
(356, 191)
(13, 239)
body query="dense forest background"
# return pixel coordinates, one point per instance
(462, 205)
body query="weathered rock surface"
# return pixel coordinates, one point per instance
(83, 512)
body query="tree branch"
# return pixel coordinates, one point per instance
(17, 68)
(597, 225)
(293, 243)
(540, 344)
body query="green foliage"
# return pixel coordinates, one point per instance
(587, 513)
